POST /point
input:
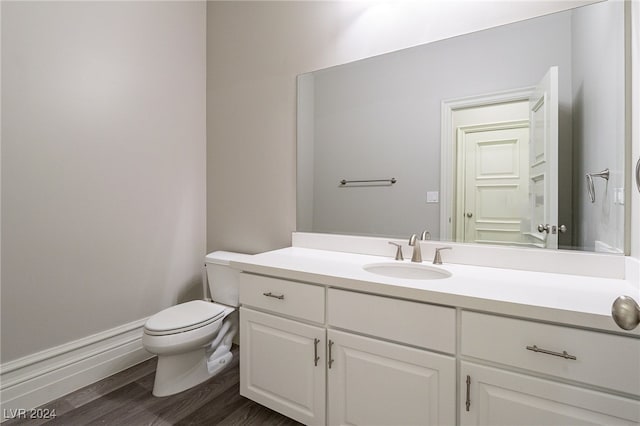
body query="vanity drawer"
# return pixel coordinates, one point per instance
(602, 359)
(419, 324)
(284, 297)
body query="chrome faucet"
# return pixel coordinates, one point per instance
(413, 242)
(437, 259)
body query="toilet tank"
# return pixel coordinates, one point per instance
(222, 279)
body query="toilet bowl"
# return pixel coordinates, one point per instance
(193, 340)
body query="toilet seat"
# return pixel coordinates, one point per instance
(184, 317)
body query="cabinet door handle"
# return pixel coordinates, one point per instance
(562, 354)
(468, 402)
(275, 296)
(316, 358)
(330, 357)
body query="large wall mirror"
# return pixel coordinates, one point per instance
(513, 135)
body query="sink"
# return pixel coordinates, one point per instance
(407, 271)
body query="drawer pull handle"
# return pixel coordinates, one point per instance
(316, 358)
(330, 357)
(562, 354)
(275, 296)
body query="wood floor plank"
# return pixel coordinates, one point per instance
(147, 381)
(252, 413)
(216, 411)
(153, 410)
(125, 399)
(91, 392)
(110, 403)
(59, 407)
(207, 397)
(108, 385)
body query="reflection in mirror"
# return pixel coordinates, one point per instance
(488, 137)
(506, 179)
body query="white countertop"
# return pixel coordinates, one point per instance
(559, 298)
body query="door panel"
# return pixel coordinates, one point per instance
(278, 368)
(372, 382)
(503, 398)
(495, 179)
(543, 160)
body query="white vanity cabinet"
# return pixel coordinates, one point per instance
(544, 355)
(377, 382)
(326, 355)
(291, 363)
(282, 360)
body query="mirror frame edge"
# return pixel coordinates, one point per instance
(628, 87)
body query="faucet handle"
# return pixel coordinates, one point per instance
(398, 251)
(437, 259)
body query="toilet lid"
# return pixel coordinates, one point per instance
(184, 317)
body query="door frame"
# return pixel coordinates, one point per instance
(449, 148)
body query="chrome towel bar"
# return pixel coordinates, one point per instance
(391, 181)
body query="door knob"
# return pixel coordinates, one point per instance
(469, 214)
(626, 312)
(553, 229)
(544, 228)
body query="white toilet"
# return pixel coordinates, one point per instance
(193, 340)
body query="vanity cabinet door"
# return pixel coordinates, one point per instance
(499, 397)
(372, 382)
(282, 365)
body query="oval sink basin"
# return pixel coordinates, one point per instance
(407, 271)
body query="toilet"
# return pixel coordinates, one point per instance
(193, 340)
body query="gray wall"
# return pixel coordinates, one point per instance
(380, 118)
(598, 123)
(256, 49)
(103, 165)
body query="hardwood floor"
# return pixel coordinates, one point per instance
(125, 399)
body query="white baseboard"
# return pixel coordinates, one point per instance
(39, 378)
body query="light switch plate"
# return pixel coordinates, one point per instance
(433, 197)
